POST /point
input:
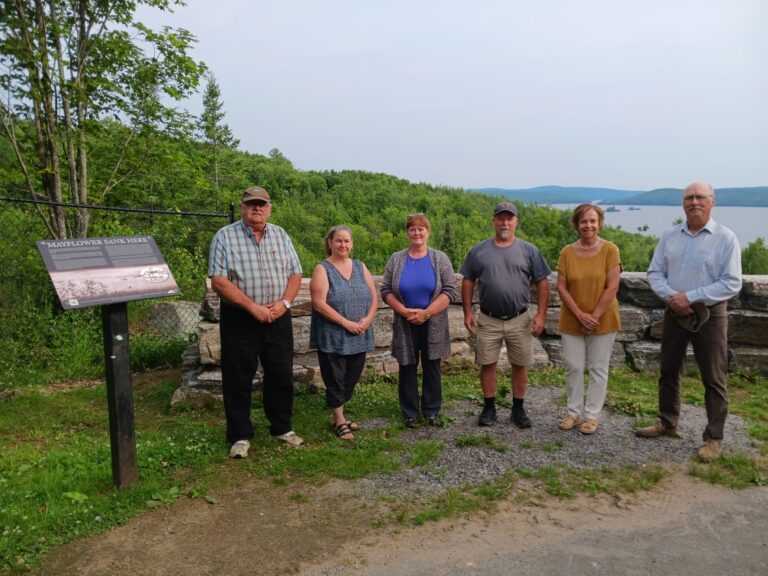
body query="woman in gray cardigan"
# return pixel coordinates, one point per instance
(419, 284)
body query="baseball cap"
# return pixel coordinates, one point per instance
(505, 207)
(255, 193)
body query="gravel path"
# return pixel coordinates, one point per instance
(613, 445)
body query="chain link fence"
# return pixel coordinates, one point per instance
(27, 292)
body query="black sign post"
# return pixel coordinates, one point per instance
(109, 272)
(122, 432)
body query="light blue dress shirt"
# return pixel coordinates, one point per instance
(706, 266)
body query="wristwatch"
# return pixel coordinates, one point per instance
(287, 304)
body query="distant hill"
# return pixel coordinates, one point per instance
(562, 194)
(754, 196)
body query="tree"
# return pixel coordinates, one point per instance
(69, 64)
(754, 258)
(216, 135)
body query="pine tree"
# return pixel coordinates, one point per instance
(215, 134)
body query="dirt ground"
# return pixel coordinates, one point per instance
(258, 528)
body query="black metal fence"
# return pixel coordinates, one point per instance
(182, 237)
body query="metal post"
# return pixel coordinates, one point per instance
(122, 430)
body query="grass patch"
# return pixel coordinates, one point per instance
(422, 453)
(456, 502)
(485, 440)
(733, 470)
(568, 482)
(55, 463)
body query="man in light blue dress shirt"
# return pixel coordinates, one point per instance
(695, 269)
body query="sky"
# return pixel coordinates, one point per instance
(630, 94)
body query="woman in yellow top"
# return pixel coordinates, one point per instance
(588, 273)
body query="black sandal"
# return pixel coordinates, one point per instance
(353, 426)
(343, 430)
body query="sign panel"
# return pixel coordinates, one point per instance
(96, 271)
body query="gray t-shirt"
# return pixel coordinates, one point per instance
(505, 274)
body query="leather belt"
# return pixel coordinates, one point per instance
(504, 316)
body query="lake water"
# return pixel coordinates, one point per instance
(747, 223)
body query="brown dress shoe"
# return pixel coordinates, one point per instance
(656, 430)
(710, 450)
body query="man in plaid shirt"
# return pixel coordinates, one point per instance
(255, 270)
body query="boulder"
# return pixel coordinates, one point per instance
(634, 289)
(748, 327)
(209, 343)
(634, 323)
(754, 292)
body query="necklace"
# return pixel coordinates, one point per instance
(589, 246)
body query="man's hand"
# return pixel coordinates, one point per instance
(680, 304)
(469, 323)
(537, 325)
(277, 309)
(263, 314)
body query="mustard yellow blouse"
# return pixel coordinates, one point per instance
(586, 279)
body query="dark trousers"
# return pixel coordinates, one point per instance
(340, 373)
(710, 348)
(432, 379)
(244, 344)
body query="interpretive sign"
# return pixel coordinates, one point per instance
(96, 271)
(109, 272)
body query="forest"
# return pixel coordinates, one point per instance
(93, 119)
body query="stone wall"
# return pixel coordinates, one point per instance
(636, 345)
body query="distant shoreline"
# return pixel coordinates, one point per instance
(752, 197)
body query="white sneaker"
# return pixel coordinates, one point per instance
(239, 449)
(291, 438)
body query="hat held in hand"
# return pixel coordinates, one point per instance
(693, 322)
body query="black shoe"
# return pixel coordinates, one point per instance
(520, 418)
(410, 422)
(487, 417)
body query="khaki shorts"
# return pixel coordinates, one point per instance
(516, 333)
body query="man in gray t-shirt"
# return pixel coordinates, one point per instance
(504, 267)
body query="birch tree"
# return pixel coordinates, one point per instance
(68, 65)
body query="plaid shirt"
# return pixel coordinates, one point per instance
(260, 269)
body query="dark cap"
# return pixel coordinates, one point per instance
(255, 193)
(505, 207)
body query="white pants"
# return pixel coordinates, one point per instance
(593, 353)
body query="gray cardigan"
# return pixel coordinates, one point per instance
(438, 336)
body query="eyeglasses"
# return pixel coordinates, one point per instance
(697, 197)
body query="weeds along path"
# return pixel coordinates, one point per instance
(681, 526)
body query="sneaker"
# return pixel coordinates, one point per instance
(487, 417)
(239, 449)
(569, 422)
(410, 422)
(710, 451)
(588, 426)
(656, 430)
(520, 418)
(291, 438)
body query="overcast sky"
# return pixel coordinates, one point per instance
(634, 94)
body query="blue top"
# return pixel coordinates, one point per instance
(417, 283)
(350, 298)
(706, 266)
